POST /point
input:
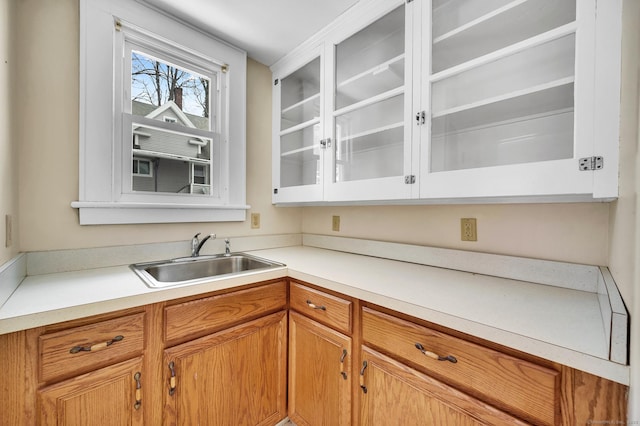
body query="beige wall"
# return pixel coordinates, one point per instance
(624, 254)
(47, 117)
(567, 232)
(8, 149)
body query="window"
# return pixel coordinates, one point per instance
(166, 143)
(142, 167)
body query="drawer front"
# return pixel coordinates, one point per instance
(528, 390)
(323, 307)
(92, 346)
(202, 316)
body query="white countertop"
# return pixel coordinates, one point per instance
(559, 324)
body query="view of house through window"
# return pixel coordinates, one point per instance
(175, 150)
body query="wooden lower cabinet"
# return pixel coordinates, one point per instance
(393, 393)
(319, 374)
(233, 358)
(233, 377)
(111, 396)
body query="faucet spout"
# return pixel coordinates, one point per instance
(196, 244)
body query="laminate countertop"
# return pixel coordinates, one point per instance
(564, 325)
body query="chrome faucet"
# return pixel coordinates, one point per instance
(196, 244)
(227, 247)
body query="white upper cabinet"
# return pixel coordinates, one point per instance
(509, 91)
(455, 100)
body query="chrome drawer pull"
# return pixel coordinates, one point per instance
(432, 355)
(97, 346)
(314, 306)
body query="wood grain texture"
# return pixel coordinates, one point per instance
(592, 400)
(196, 318)
(19, 378)
(525, 389)
(318, 393)
(103, 397)
(408, 397)
(57, 362)
(233, 377)
(338, 311)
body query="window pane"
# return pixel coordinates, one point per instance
(173, 162)
(169, 93)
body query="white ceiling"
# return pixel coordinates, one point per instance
(266, 29)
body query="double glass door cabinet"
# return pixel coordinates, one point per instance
(341, 126)
(452, 99)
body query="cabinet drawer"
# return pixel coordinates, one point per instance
(526, 389)
(202, 316)
(323, 307)
(81, 349)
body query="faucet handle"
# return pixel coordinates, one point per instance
(195, 237)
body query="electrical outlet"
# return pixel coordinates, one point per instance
(7, 236)
(335, 223)
(255, 220)
(468, 230)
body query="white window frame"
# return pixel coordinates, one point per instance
(105, 151)
(142, 160)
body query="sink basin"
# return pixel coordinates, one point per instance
(193, 270)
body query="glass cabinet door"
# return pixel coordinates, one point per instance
(299, 155)
(502, 84)
(369, 112)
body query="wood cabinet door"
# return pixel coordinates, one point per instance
(319, 374)
(393, 392)
(233, 377)
(111, 396)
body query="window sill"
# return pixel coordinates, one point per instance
(103, 213)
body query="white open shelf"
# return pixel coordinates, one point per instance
(301, 103)
(552, 97)
(504, 26)
(513, 95)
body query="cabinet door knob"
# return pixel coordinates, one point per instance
(435, 356)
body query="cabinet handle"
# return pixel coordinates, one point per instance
(138, 403)
(364, 367)
(172, 380)
(435, 356)
(97, 346)
(314, 306)
(342, 357)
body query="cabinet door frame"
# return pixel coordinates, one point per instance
(50, 398)
(301, 193)
(389, 188)
(449, 399)
(174, 401)
(335, 366)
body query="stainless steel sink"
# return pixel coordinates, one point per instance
(193, 270)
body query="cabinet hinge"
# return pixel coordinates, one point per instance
(275, 82)
(591, 163)
(325, 143)
(420, 118)
(275, 191)
(410, 179)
